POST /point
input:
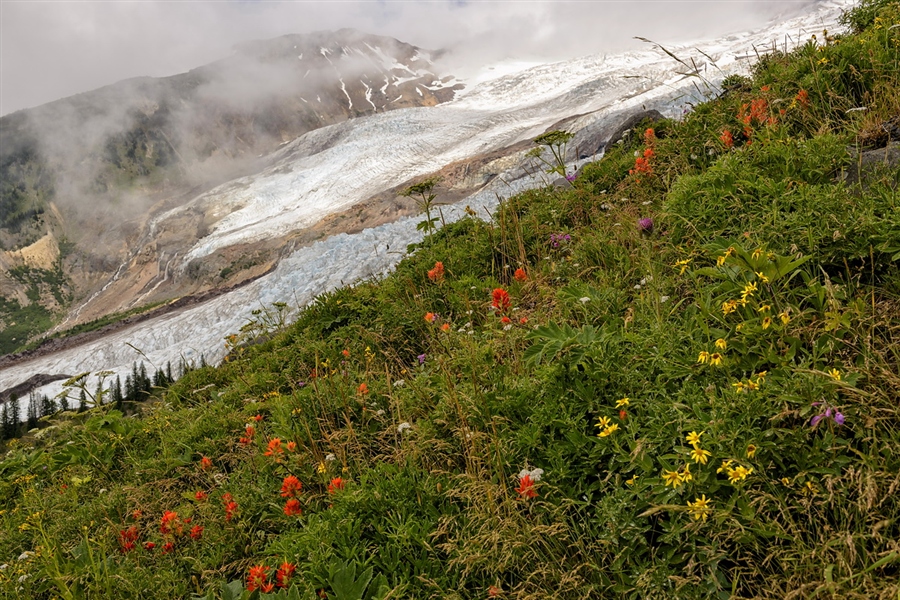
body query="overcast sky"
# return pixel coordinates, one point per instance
(52, 49)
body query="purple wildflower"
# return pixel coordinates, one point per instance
(557, 238)
(646, 225)
(571, 178)
(829, 413)
(421, 359)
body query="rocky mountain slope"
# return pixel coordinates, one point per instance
(82, 176)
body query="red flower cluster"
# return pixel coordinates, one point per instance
(170, 525)
(201, 496)
(274, 447)
(500, 299)
(206, 464)
(649, 137)
(249, 432)
(756, 112)
(437, 273)
(258, 578)
(284, 574)
(803, 98)
(291, 487)
(128, 538)
(230, 506)
(196, 532)
(727, 139)
(526, 487)
(363, 389)
(642, 163)
(292, 508)
(336, 484)
(520, 275)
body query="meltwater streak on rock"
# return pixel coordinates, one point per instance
(369, 155)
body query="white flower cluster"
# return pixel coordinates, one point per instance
(534, 474)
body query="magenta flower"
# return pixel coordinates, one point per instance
(421, 359)
(646, 225)
(829, 413)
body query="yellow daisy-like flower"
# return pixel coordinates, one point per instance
(623, 402)
(321, 468)
(632, 481)
(715, 359)
(786, 481)
(739, 327)
(751, 451)
(757, 253)
(729, 306)
(748, 290)
(603, 422)
(767, 322)
(761, 376)
(672, 478)
(738, 473)
(762, 277)
(726, 464)
(693, 438)
(700, 508)
(752, 386)
(703, 357)
(739, 386)
(609, 430)
(700, 455)
(686, 474)
(683, 264)
(809, 488)
(835, 374)
(764, 308)
(720, 261)
(785, 317)
(721, 344)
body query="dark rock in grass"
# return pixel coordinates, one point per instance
(874, 164)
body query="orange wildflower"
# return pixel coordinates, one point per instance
(437, 273)
(363, 389)
(291, 487)
(500, 299)
(170, 524)
(649, 137)
(284, 574)
(727, 138)
(526, 487)
(430, 317)
(505, 320)
(445, 327)
(292, 508)
(196, 532)
(520, 275)
(274, 448)
(292, 446)
(257, 578)
(336, 484)
(206, 464)
(201, 496)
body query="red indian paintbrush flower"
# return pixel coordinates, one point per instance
(292, 508)
(170, 524)
(206, 464)
(500, 299)
(520, 275)
(274, 447)
(196, 532)
(284, 574)
(526, 487)
(291, 487)
(437, 273)
(336, 484)
(257, 578)
(128, 538)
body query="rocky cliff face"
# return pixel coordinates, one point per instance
(82, 177)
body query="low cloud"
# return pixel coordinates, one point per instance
(52, 50)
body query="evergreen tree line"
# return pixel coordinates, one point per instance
(138, 387)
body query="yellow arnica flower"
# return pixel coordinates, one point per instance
(622, 402)
(720, 261)
(752, 385)
(810, 488)
(751, 451)
(767, 322)
(764, 308)
(700, 455)
(683, 264)
(748, 290)
(721, 344)
(321, 468)
(835, 374)
(632, 481)
(757, 253)
(686, 474)
(739, 327)
(703, 358)
(726, 464)
(715, 359)
(786, 481)
(762, 277)
(700, 508)
(739, 473)
(729, 306)
(739, 386)
(672, 478)
(761, 376)
(785, 318)
(603, 422)
(693, 438)
(609, 430)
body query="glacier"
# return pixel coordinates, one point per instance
(330, 169)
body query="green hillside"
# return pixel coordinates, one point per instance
(677, 378)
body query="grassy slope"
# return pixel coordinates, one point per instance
(433, 510)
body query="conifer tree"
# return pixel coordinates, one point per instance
(82, 401)
(15, 417)
(47, 406)
(6, 425)
(64, 403)
(34, 410)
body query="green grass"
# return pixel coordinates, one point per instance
(765, 296)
